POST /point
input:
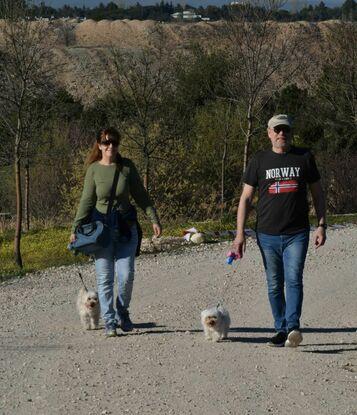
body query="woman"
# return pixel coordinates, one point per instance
(117, 258)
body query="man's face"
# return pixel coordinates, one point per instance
(280, 137)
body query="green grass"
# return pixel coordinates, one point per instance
(44, 248)
(40, 249)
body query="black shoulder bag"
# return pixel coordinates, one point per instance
(95, 235)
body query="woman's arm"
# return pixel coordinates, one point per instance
(142, 199)
(88, 199)
(140, 195)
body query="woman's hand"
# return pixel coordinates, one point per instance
(157, 229)
(72, 238)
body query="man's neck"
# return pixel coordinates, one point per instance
(281, 150)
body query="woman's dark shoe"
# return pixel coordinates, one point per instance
(125, 323)
(278, 340)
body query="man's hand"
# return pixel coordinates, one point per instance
(239, 245)
(157, 229)
(319, 237)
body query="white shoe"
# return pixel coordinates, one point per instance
(294, 339)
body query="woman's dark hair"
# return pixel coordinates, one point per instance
(110, 133)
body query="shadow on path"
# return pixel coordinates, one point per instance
(152, 328)
(148, 325)
(248, 339)
(330, 351)
(303, 329)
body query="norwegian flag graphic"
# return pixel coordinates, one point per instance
(284, 186)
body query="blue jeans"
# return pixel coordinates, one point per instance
(284, 259)
(116, 259)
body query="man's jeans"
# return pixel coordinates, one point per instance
(118, 258)
(284, 259)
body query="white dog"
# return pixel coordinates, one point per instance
(215, 322)
(88, 308)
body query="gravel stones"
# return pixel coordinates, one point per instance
(49, 365)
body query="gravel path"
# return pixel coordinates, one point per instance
(49, 365)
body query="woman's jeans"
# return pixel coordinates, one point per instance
(284, 259)
(116, 259)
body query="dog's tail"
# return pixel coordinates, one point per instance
(80, 276)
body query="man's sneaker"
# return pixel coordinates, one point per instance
(110, 331)
(294, 338)
(278, 340)
(125, 323)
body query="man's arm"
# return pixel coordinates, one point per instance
(244, 207)
(318, 199)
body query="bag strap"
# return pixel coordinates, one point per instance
(112, 192)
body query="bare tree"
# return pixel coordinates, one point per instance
(24, 75)
(337, 88)
(35, 122)
(142, 84)
(66, 32)
(264, 56)
(226, 121)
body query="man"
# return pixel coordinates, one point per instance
(281, 176)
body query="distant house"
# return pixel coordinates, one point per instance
(42, 19)
(177, 15)
(188, 15)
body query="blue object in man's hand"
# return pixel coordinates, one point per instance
(232, 256)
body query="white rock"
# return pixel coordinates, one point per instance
(197, 238)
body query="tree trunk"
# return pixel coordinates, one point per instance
(146, 170)
(223, 173)
(17, 240)
(27, 195)
(248, 137)
(227, 129)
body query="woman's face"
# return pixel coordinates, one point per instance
(109, 148)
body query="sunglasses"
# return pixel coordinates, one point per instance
(284, 128)
(107, 143)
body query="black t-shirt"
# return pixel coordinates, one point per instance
(281, 180)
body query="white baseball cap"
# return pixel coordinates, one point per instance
(280, 119)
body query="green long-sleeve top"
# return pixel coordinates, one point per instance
(97, 186)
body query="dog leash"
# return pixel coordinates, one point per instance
(231, 256)
(80, 276)
(226, 284)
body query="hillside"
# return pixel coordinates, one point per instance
(82, 60)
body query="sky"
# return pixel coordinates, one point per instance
(195, 3)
